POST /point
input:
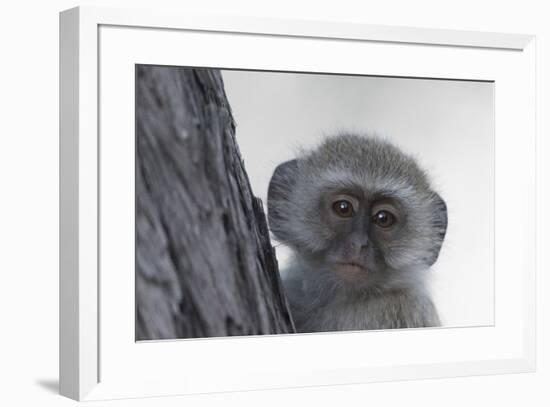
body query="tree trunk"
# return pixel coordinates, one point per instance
(204, 261)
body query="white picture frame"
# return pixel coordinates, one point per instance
(97, 349)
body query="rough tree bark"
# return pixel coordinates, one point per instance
(204, 261)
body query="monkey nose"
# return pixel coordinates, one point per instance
(360, 245)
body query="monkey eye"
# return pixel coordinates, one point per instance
(384, 219)
(343, 208)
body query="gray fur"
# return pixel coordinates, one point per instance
(391, 292)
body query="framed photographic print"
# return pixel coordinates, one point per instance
(287, 203)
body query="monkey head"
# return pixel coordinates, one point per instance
(358, 211)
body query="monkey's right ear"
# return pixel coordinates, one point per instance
(440, 225)
(279, 193)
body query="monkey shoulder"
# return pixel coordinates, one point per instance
(403, 309)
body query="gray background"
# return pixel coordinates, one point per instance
(447, 125)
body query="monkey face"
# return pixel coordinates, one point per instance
(360, 229)
(358, 210)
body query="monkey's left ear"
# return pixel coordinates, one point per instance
(278, 198)
(440, 224)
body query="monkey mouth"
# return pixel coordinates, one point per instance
(350, 269)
